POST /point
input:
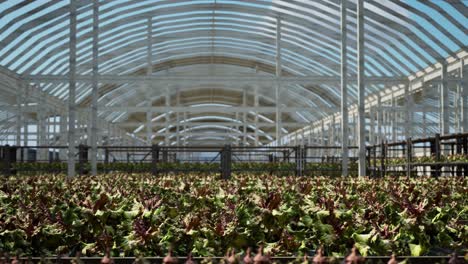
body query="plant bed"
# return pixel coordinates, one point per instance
(258, 168)
(139, 214)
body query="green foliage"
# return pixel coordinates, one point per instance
(254, 168)
(139, 214)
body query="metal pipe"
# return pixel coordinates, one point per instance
(72, 92)
(344, 93)
(361, 89)
(94, 95)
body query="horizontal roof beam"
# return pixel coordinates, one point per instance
(177, 109)
(227, 124)
(185, 79)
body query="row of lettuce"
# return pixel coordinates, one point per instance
(138, 214)
(256, 168)
(456, 158)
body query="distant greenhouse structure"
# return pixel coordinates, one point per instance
(362, 85)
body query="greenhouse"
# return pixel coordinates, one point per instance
(134, 128)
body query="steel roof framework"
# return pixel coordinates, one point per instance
(275, 60)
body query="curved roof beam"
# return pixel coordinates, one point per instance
(141, 9)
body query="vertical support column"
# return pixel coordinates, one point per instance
(256, 115)
(19, 119)
(444, 102)
(52, 129)
(25, 121)
(6, 159)
(409, 156)
(82, 159)
(178, 118)
(94, 95)
(379, 119)
(464, 97)
(19, 114)
(372, 125)
(393, 118)
(63, 136)
(184, 128)
(384, 123)
(436, 152)
(383, 154)
(457, 109)
(226, 157)
(328, 137)
(355, 128)
(302, 142)
(244, 118)
(344, 93)
(278, 83)
(331, 140)
(168, 104)
(149, 128)
(72, 92)
(149, 70)
(322, 137)
(424, 128)
(361, 89)
(46, 134)
(309, 143)
(154, 159)
(41, 127)
(408, 112)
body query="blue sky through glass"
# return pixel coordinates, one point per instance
(49, 38)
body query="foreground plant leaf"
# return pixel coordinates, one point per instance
(139, 214)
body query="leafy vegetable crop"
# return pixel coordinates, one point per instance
(257, 168)
(139, 214)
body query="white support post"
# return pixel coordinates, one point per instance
(25, 122)
(72, 92)
(256, 115)
(322, 137)
(178, 118)
(184, 128)
(332, 134)
(149, 128)
(41, 128)
(94, 96)
(149, 70)
(54, 130)
(361, 89)
(355, 129)
(372, 125)
(234, 126)
(424, 130)
(457, 110)
(344, 94)
(408, 113)
(19, 115)
(46, 136)
(63, 136)
(464, 96)
(168, 104)
(278, 84)
(393, 117)
(244, 118)
(379, 119)
(444, 102)
(327, 135)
